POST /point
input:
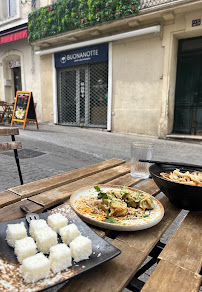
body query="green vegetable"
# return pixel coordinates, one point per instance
(94, 212)
(146, 216)
(112, 220)
(107, 214)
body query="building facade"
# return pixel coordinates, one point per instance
(139, 74)
(19, 65)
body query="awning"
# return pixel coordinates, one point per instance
(13, 35)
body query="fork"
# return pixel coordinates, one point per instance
(29, 216)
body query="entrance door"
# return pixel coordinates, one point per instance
(188, 97)
(17, 79)
(82, 95)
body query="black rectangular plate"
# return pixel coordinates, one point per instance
(102, 252)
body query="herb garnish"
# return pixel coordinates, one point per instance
(101, 194)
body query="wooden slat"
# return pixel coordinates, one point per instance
(169, 277)
(111, 276)
(13, 211)
(145, 240)
(185, 246)
(125, 180)
(149, 187)
(46, 184)
(9, 131)
(7, 198)
(4, 146)
(58, 195)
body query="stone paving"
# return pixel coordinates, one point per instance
(66, 148)
(56, 149)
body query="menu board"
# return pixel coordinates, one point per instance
(24, 108)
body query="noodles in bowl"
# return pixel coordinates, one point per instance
(179, 184)
(193, 178)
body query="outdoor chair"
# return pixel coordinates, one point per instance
(14, 145)
(3, 107)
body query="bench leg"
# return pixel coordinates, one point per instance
(17, 161)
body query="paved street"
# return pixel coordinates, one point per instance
(56, 149)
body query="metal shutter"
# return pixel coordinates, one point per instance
(83, 95)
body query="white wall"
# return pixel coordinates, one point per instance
(137, 85)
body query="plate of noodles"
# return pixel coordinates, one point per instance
(117, 208)
(182, 185)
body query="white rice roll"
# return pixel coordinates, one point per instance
(24, 248)
(60, 257)
(81, 248)
(35, 268)
(15, 232)
(69, 233)
(57, 221)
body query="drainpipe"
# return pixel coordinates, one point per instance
(109, 102)
(55, 107)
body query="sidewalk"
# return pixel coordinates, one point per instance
(55, 149)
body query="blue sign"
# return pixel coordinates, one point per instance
(82, 55)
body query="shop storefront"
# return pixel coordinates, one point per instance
(82, 86)
(147, 81)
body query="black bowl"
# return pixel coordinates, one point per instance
(182, 196)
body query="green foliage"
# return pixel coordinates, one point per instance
(66, 15)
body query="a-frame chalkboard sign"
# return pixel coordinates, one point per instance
(24, 108)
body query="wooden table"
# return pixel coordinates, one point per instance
(179, 263)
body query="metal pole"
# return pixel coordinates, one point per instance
(17, 161)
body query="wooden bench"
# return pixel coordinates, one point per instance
(14, 145)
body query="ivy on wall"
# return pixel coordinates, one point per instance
(66, 15)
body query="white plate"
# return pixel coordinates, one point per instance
(155, 217)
